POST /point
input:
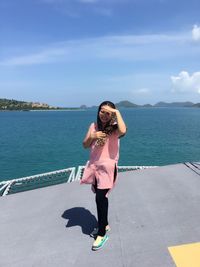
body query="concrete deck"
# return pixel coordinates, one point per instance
(149, 211)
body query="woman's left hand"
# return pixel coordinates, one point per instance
(120, 121)
(109, 109)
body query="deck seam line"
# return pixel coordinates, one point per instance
(191, 168)
(193, 164)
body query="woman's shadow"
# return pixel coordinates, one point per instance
(82, 217)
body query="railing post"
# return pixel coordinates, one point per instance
(7, 188)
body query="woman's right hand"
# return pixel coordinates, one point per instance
(98, 135)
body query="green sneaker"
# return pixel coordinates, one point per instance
(99, 242)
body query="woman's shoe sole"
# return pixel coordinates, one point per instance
(102, 244)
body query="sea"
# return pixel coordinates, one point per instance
(36, 142)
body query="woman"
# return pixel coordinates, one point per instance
(101, 170)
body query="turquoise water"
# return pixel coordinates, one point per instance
(37, 142)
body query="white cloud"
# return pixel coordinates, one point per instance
(141, 91)
(125, 47)
(45, 56)
(88, 1)
(185, 83)
(104, 11)
(196, 33)
(52, 1)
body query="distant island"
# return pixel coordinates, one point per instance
(187, 104)
(128, 104)
(11, 104)
(7, 104)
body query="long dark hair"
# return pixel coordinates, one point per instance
(111, 126)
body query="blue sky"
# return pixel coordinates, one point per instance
(74, 52)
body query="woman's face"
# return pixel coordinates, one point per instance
(104, 115)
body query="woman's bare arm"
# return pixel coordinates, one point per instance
(91, 136)
(120, 122)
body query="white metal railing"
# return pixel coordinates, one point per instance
(79, 173)
(133, 168)
(5, 186)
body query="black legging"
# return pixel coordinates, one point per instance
(102, 207)
(102, 210)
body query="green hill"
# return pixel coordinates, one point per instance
(126, 104)
(174, 104)
(7, 104)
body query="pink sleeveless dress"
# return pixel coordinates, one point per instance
(102, 163)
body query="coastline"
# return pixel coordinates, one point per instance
(57, 110)
(36, 110)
